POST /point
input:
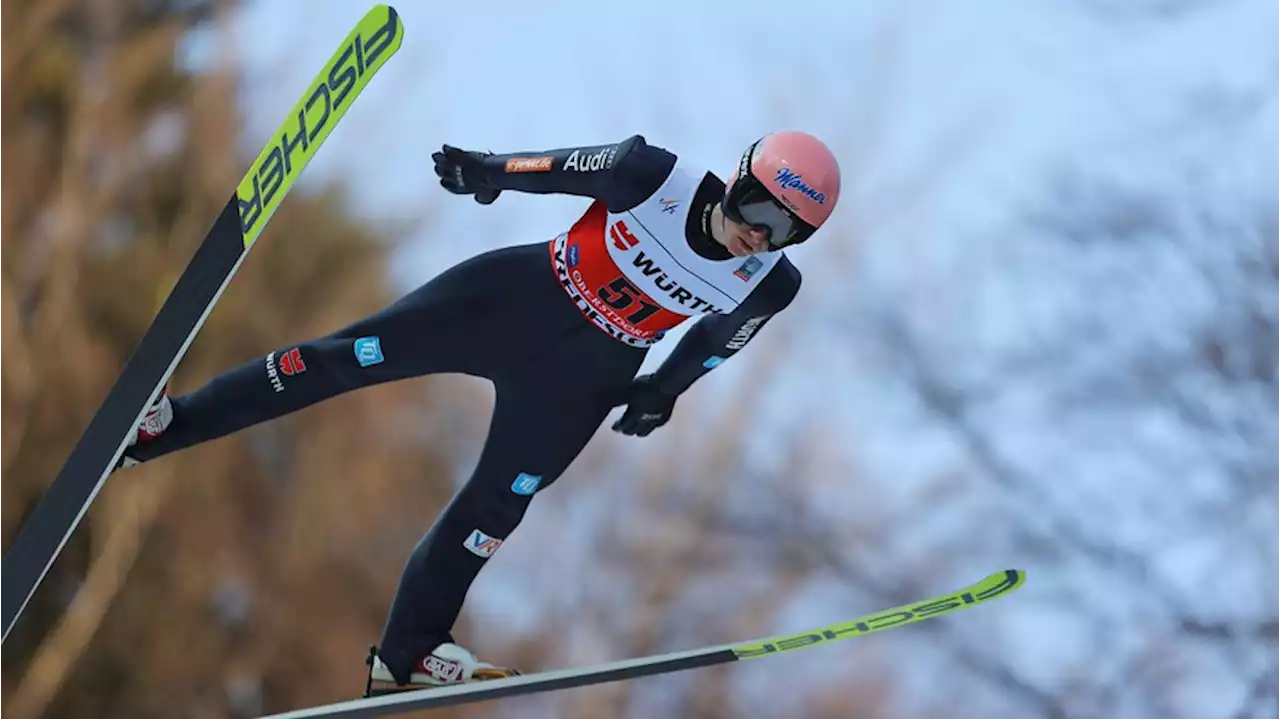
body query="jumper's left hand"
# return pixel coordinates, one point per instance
(647, 408)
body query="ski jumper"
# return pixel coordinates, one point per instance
(560, 327)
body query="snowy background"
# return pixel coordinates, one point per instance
(1039, 332)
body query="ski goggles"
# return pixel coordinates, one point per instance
(749, 202)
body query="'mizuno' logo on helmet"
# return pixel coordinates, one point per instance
(791, 181)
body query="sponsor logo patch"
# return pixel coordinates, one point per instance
(368, 351)
(481, 544)
(602, 160)
(526, 484)
(442, 669)
(748, 268)
(529, 164)
(789, 180)
(748, 328)
(291, 362)
(273, 374)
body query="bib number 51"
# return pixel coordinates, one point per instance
(622, 293)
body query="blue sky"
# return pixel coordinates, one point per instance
(951, 121)
(528, 76)
(937, 110)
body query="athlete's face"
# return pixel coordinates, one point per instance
(742, 240)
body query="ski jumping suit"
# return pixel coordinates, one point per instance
(559, 327)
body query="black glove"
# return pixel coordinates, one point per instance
(462, 173)
(647, 407)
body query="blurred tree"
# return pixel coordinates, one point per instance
(241, 576)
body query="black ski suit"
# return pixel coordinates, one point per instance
(504, 316)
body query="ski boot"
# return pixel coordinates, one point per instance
(447, 664)
(157, 419)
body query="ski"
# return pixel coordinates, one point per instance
(366, 49)
(992, 587)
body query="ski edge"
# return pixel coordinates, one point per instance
(990, 588)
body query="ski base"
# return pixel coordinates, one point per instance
(384, 703)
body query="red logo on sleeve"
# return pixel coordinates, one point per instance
(291, 362)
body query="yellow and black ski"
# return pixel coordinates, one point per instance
(992, 587)
(366, 49)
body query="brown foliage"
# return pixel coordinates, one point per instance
(244, 575)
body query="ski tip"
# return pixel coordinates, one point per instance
(991, 587)
(1014, 577)
(387, 11)
(994, 585)
(383, 15)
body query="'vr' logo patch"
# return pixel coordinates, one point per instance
(481, 544)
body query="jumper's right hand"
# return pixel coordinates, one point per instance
(462, 173)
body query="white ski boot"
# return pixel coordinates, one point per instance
(446, 664)
(157, 419)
